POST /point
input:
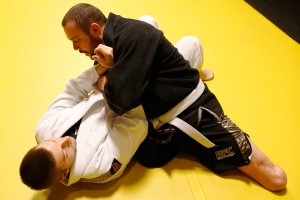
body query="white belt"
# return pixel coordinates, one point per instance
(170, 117)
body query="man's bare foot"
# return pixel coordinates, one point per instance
(206, 74)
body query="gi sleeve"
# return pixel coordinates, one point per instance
(67, 105)
(135, 50)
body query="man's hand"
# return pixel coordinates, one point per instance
(104, 55)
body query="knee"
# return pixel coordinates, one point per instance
(263, 170)
(193, 42)
(279, 180)
(191, 49)
(150, 20)
(198, 49)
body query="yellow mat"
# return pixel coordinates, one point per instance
(257, 70)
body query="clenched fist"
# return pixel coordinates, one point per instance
(104, 55)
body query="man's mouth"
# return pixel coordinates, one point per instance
(88, 54)
(85, 52)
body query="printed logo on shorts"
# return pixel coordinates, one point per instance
(224, 153)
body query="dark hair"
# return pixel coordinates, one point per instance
(83, 15)
(38, 169)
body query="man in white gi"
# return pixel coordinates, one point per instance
(105, 142)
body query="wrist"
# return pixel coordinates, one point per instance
(100, 69)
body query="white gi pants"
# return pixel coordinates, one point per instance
(188, 46)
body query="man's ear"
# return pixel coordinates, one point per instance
(64, 175)
(95, 29)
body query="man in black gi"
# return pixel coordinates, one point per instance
(149, 70)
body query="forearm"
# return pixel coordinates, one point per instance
(100, 69)
(67, 104)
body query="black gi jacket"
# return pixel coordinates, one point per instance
(148, 69)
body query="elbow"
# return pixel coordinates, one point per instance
(122, 101)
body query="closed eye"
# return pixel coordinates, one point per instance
(75, 40)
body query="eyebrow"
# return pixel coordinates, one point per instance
(50, 141)
(74, 38)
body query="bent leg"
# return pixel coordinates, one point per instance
(264, 171)
(191, 49)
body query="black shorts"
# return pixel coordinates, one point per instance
(232, 148)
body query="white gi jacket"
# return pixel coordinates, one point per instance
(105, 141)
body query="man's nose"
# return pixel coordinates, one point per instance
(75, 47)
(64, 140)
